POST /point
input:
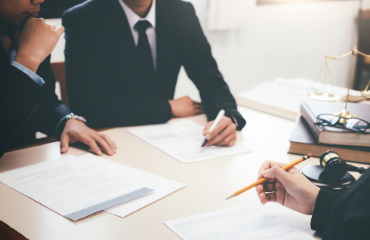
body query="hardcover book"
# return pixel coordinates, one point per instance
(303, 142)
(334, 135)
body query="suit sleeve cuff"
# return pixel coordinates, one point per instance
(237, 119)
(324, 204)
(29, 73)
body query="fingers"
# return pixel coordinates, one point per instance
(110, 142)
(198, 111)
(278, 173)
(229, 139)
(267, 165)
(198, 108)
(269, 186)
(102, 143)
(64, 143)
(265, 187)
(222, 137)
(267, 197)
(59, 30)
(198, 104)
(51, 25)
(225, 122)
(92, 144)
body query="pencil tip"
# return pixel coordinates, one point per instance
(200, 149)
(230, 197)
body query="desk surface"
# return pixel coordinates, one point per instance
(208, 184)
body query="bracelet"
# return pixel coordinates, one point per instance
(63, 121)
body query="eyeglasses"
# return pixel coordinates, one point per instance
(353, 124)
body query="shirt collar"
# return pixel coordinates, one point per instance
(133, 18)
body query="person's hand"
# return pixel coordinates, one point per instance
(224, 134)
(36, 41)
(289, 188)
(185, 107)
(77, 131)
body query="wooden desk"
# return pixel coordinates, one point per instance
(208, 184)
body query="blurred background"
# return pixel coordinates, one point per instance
(260, 40)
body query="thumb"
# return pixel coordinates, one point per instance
(59, 31)
(64, 143)
(278, 173)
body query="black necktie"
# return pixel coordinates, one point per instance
(144, 59)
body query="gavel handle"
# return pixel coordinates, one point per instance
(352, 168)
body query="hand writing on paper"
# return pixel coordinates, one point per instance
(76, 131)
(289, 188)
(185, 107)
(224, 134)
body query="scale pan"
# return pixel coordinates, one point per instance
(323, 96)
(366, 93)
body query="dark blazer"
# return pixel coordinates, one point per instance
(25, 106)
(347, 216)
(101, 78)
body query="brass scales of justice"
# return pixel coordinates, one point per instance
(318, 174)
(326, 96)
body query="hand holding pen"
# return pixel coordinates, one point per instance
(288, 188)
(220, 132)
(284, 184)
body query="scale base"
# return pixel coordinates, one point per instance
(317, 175)
(323, 96)
(344, 114)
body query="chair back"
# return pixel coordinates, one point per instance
(60, 76)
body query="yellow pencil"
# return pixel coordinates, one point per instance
(262, 180)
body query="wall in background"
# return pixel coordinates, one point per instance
(365, 4)
(287, 40)
(262, 2)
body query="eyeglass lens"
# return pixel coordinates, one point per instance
(329, 119)
(356, 124)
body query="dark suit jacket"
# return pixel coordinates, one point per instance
(101, 78)
(25, 106)
(346, 216)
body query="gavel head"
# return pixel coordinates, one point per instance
(333, 164)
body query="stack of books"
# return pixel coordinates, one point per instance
(308, 137)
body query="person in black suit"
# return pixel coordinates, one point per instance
(27, 85)
(123, 58)
(336, 216)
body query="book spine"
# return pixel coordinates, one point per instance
(317, 150)
(310, 119)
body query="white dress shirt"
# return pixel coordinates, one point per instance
(133, 18)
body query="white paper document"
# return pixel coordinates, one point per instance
(75, 187)
(182, 139)
(239, 223)
(161, 186)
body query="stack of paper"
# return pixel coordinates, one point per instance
(182, 139)
(76, 187)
